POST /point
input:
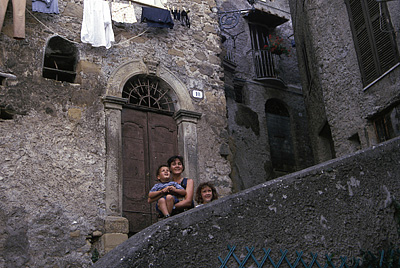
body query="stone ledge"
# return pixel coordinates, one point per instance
(114, 224)
(111, 240)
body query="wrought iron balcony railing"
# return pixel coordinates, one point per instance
(264, 63)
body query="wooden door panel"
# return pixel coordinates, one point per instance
(134, 167)
(162, 141)
(135, 154)
(148, 140)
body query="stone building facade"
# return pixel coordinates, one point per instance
(348, 55)
(84, 127)
(62, 160)
(267, 123)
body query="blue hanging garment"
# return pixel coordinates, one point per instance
(45, 6)
(157, 17)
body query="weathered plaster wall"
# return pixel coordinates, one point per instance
(53, 151)
(336, 80)
(247, 125)
(338, 207)
(52, 188)
(249, 133)
(312, 93)
(51, 162)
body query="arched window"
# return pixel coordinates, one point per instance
(60, 60)
(279, 136)
(147, 91)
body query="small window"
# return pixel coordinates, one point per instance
(6, 114)
(238, 90)
(4, 76)
(355, 142)
(327, 142)
(60, 60)
(387, 126)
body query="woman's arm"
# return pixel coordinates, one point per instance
(181, 192)
(187, 202)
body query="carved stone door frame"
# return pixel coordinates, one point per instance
(185, 116)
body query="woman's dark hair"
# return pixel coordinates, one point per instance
(173, 158)
(199, 199)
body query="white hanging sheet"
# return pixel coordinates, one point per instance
(96, 25)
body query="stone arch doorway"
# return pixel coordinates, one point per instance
(280, 136)
(115, 102)
(149, 137)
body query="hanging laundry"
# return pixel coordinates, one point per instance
(157, 17)
(185, 18)
(96, 25)
(123, 12)
(18, 16)
(175, 13)
(45, 6)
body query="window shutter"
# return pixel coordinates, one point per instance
(376, 48)
(362, 41)
(386, 48)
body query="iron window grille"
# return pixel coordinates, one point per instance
(264, 60)
(148, 92)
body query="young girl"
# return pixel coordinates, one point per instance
(206, 193)
(165, 192)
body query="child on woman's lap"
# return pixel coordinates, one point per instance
(165, 192)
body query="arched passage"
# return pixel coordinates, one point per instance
(279, 136)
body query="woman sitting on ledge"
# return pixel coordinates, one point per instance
(176, 166)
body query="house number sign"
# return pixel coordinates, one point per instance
(198, 94)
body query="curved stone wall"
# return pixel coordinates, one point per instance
(339, 207)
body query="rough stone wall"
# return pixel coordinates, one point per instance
(249, 136)
(339, 207)
(247, 124)
(337, 89)
(52, 160)
(52, 163)
(312, 92)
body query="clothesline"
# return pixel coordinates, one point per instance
(118, 44)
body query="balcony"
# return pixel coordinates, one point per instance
(264, 64)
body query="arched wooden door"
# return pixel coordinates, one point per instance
(280, 137)
(149, 138)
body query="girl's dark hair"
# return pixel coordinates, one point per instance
(199, 199)
(173, 158)
(159, 168)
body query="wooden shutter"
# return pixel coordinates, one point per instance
(375, 45)
(384, 38)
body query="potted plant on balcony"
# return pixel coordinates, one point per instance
(275, 46)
